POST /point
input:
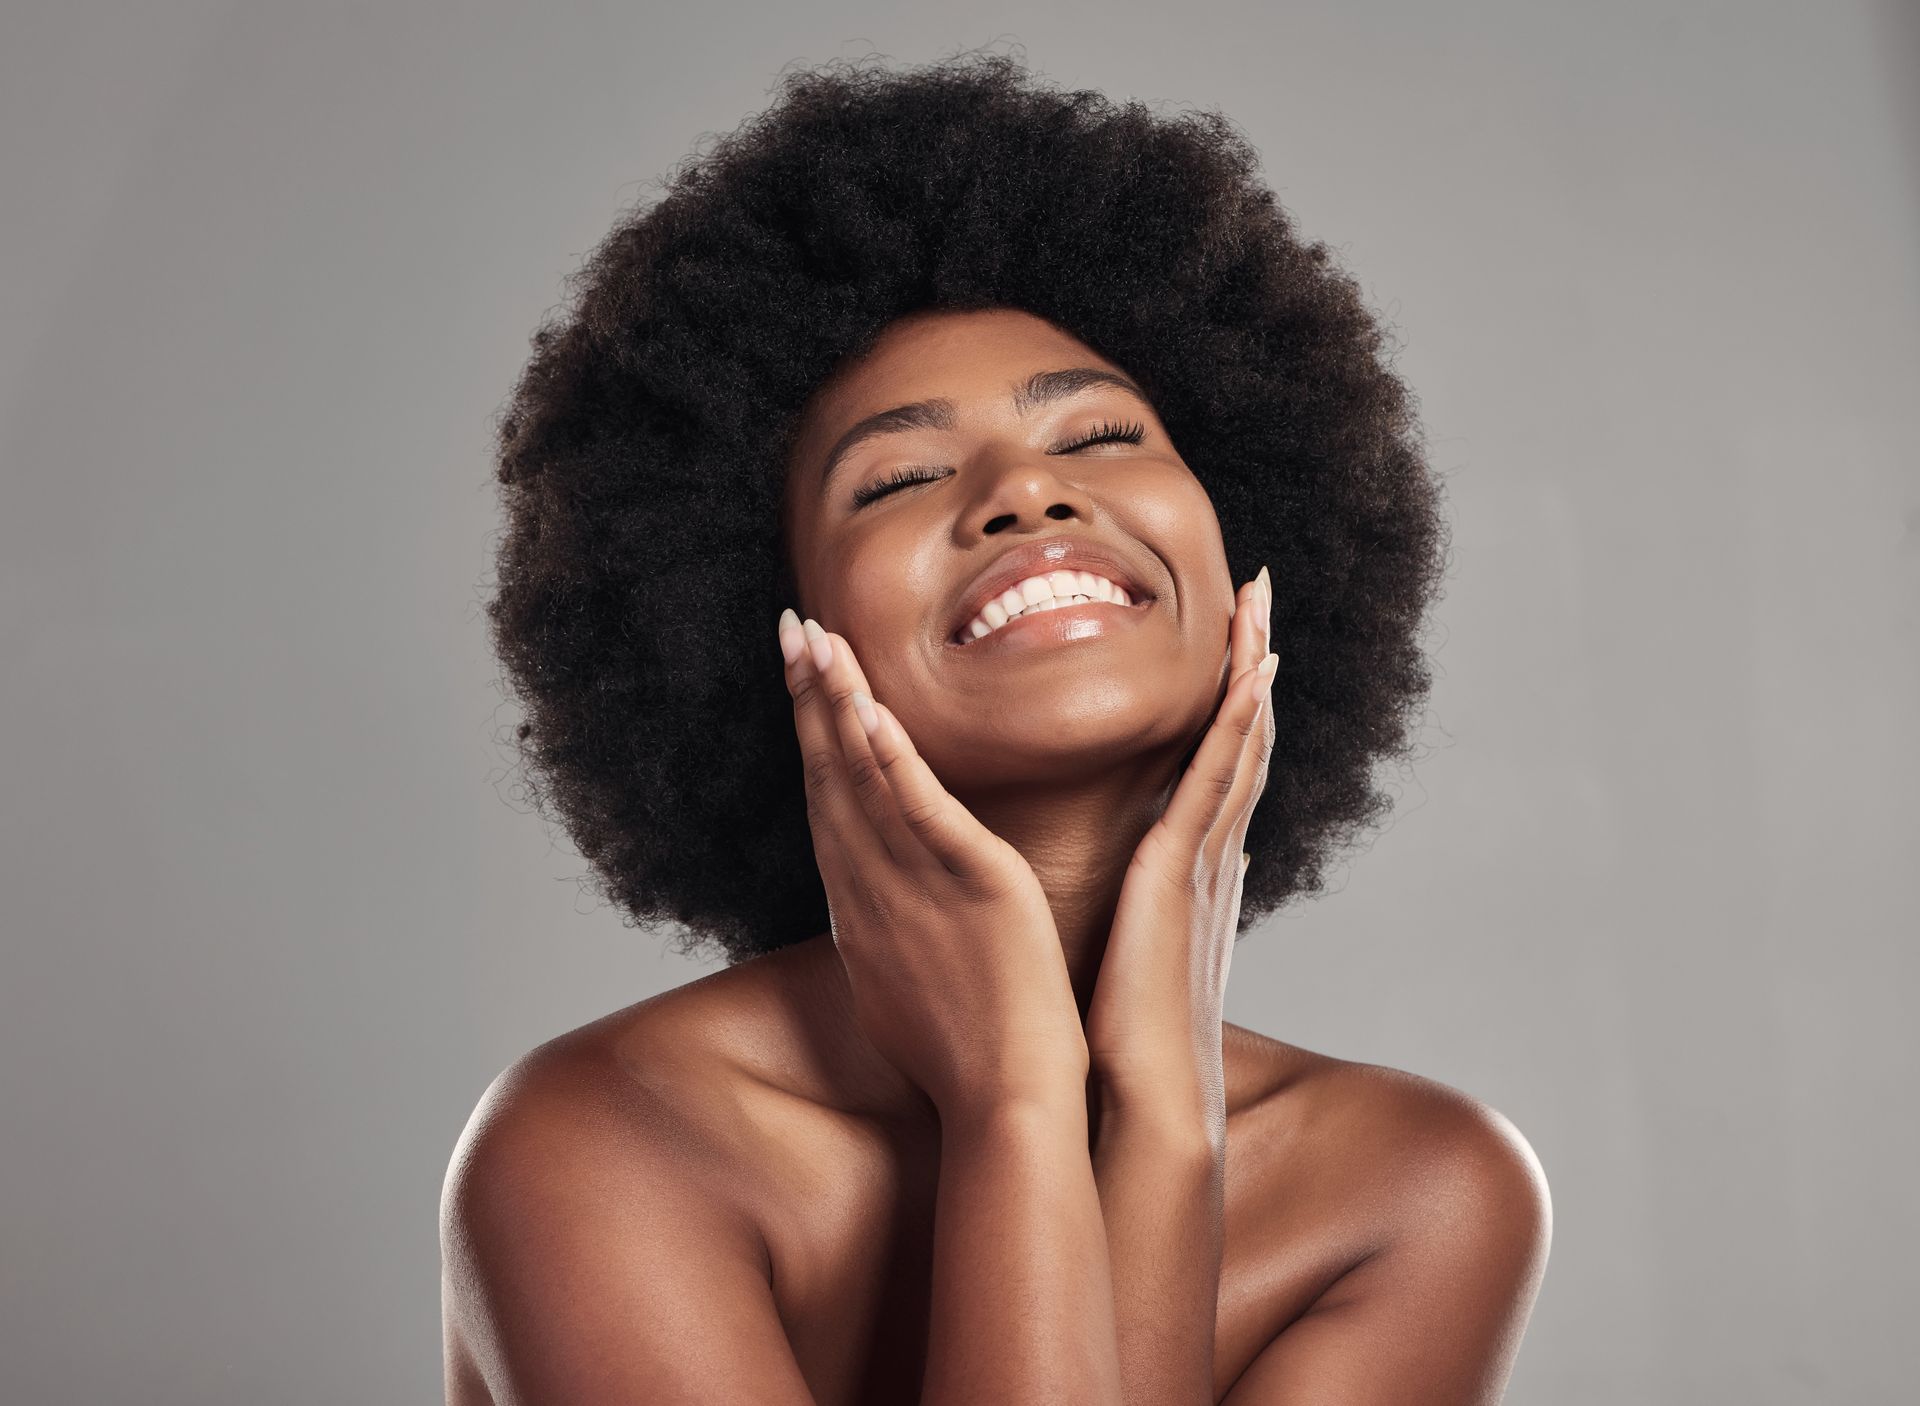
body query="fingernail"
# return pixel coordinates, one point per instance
(792, 638)
(1264, 669)
(863, 705)
(1266, 588)
(1245, 860)
(822, 646)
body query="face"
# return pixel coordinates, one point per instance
(1008, 470)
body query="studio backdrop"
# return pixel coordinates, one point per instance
(275, 906)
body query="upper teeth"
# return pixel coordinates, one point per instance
(1048, 592)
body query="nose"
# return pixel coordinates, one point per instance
(1027, 492)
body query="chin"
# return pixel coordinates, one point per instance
(1033, 741)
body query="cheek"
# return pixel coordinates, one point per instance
(886, 595)
(1179, 519)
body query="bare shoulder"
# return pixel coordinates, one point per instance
(567, 1132)
(650, 1092)
(1387, 1109)
(1414, 1217)
(667, 1092)
(1411, 1156)
(592, 1190)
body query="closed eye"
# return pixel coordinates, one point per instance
(867, 493)
(1132, 432)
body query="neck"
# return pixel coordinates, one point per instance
(1079, 838)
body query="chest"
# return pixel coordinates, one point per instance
(850, 1230)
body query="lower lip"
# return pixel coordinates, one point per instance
(1093, 619)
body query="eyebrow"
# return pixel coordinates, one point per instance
(1041, 388)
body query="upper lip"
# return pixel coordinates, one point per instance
(1037, 558)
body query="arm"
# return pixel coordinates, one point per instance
(1022, 1292)
(1162, 1179)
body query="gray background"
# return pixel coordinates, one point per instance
(274, 914)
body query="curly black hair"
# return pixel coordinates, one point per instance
(642, 454)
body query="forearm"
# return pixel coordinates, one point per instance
(1160, 1170)
(1023, 1304)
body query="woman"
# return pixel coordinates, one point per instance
(989, 394)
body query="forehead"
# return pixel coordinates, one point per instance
(960, 355)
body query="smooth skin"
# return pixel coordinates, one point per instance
(989, 1138)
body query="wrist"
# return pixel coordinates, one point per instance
(1172, 1123)
(1176, 1075)
(1047, 1109)
(1167, 1100)
(1049, 1073)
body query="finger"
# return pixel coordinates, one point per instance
(1257, 751)
(951, 833)
(847, 690)
(1251, 636)
(1263, 617)
(1265, 727)
(1187, 817)
(844, 839)
(1251, 642)
(1243, 643)
(1222, 780)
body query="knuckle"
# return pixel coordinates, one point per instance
(1169, 864)
(819, 767)
(1186, 883)
(1264, 742)
(866, 776)
(988, 886)
(807, 689)
(920, 813)
(996, 875)
(1151, 850)
(1221, 783)
(873, 901)
(835, 690)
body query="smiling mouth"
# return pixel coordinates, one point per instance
(1074, 605)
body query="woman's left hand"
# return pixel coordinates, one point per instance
(1153, 1026)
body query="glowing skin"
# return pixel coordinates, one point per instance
(1068, 751)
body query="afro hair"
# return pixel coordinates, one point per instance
(642, 453)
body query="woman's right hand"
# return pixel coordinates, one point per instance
(949, 944)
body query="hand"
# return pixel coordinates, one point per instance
(1153, 1026)
(949, 944)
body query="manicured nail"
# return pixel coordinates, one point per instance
(822, 646)
(1264, 669)
(1245, 860)
(1266, 588)
(793, 639)
(863, 705)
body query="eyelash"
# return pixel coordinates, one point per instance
(1131, 432)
